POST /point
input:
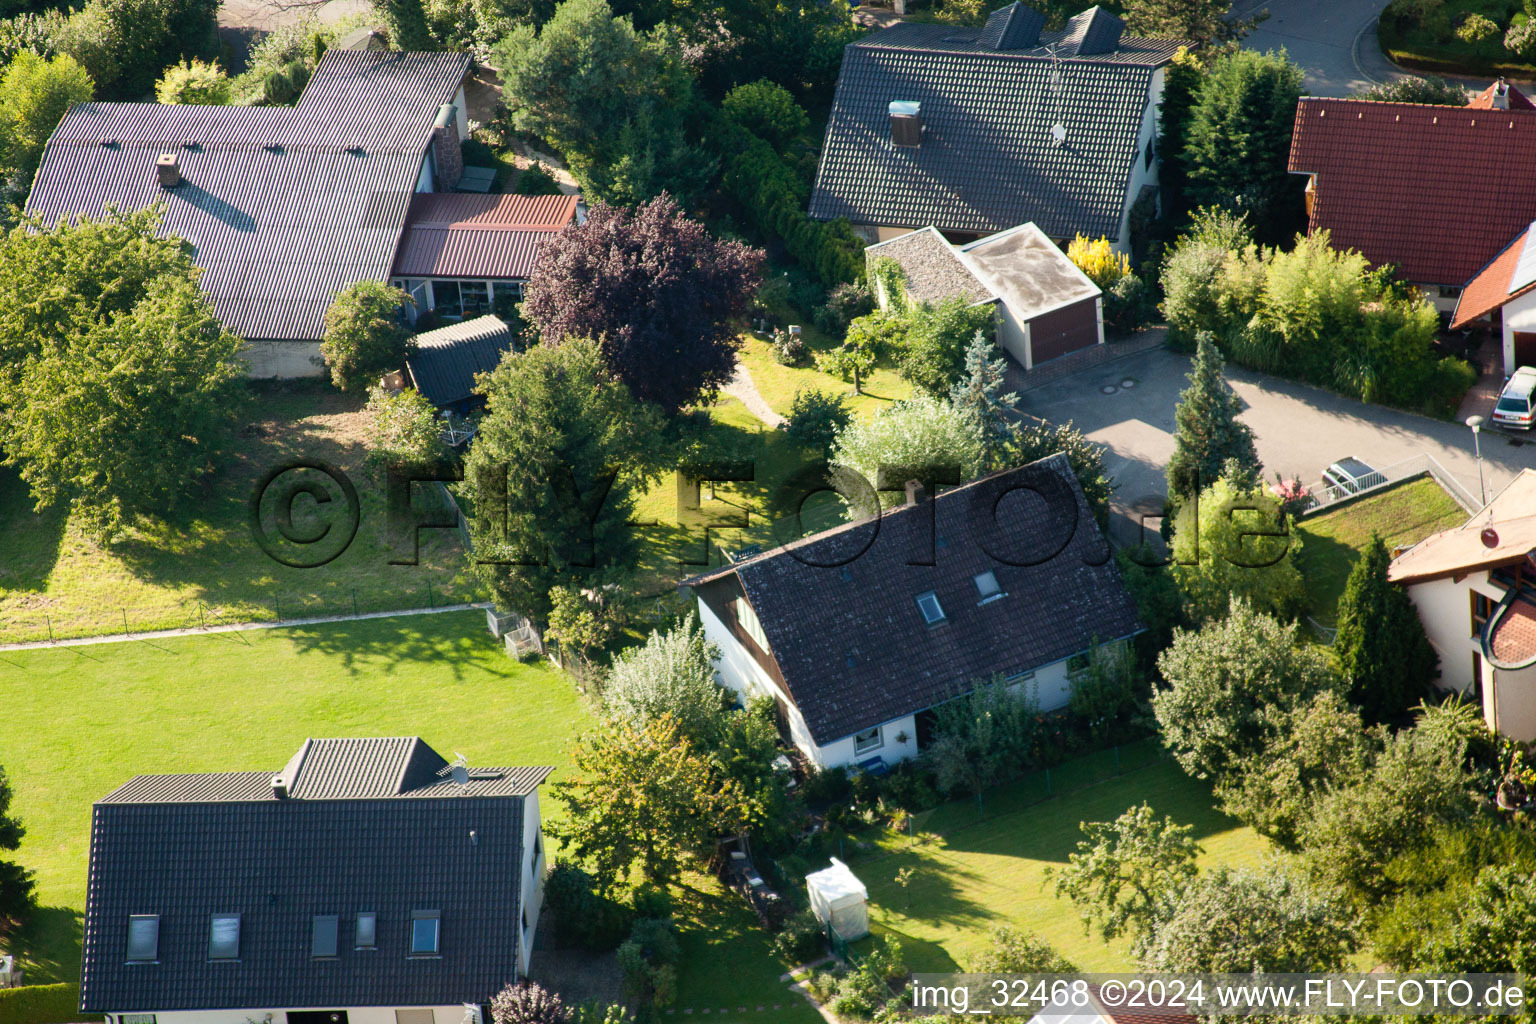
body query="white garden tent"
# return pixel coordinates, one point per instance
(839, 899)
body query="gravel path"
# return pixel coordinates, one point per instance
(742, 387)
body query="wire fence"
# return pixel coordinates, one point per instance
(1424, 464)
(254, 606)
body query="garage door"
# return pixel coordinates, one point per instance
(1063, 330)
(1525, 350)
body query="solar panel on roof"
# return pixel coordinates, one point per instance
(1525, 268)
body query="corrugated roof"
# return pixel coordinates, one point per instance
(839, 607)
(486, 236)
(987, 159)
(1464, 170)
(446, 360)
(283, 207)
(1494, 285)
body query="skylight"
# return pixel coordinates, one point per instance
(928, 604)
(144, 937)
(224, 937)
(987, 587)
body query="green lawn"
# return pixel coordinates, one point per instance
(209, 566)
(993, 872)
(1428, 41)
(778, 383)
(80, 721)
(1332, 541)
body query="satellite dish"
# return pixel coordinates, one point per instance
(1490, 537)
(460, 774)
(1059, 132)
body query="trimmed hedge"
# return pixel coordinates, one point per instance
(775, 199)
(40, 1004)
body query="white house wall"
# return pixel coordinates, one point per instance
(1141, 174)
(1445, 608)
(532, 898)
(740, 673)
(1510, 698)
(282, 359)
(1012, 335)
(1519, 315)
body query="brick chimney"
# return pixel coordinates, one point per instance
(169, 170)
(446, 151)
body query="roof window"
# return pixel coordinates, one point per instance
(323, 935)
(424, 932)
(144, 937)
(367, 930)
(987, 587)
(224, 937)
(928, 604)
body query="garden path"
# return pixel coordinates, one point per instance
(742, 387)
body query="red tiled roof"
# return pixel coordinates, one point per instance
(494, 236)
(1490, 288)
(1434, 190)
(1514, 637)
(1517, 100)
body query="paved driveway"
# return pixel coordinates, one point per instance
(1299, 430)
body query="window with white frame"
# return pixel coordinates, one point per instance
(144, 937)
(928, 604)
(750, 624)
(135, 1018)
(869, 739)
(224, 937)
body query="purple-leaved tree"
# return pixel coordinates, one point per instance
(659, 292)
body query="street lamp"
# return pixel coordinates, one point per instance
(1476, 423)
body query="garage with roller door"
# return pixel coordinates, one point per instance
(1045, 306)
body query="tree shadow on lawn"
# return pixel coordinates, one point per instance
(935, 890)
(1325, 564)
(48, 945)
(29, 547)
(447, 641)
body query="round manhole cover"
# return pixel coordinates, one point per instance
(1108, 389)
(1127, 384)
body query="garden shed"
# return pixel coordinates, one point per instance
(840, 900)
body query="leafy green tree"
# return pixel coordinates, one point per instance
(405, 22)
(147, 36)
(35, 94)
(1381, 646)
(1418, 784)
(815, 417)
(977, 394)
(1519, 38)
(767, 110)
(1313, 747)
(1230, 685)
(615, 102)
(983, 737)
(1235, 543)
(1203, 21)
(672, 674)
(1036, 441)
(1476, 30)
(937, 336)
(105, 333)
(1127, 875)
(581, 623)
(1198, 291)
(920, 438)
(641, 796)
(1495, 932)
(1273, 920)
(193, 82)
(855, 358)
(401, 430)
(17, 885)
(562, 448)
(1239, 139)
(1428, 89)
(366, 334)
(1206, 429)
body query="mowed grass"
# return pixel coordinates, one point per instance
(1332, 541)
(996, 871)
(80, 721)
(207, 566)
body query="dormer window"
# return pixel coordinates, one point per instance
(928, 604)
(144, 938)
(987, 588)
(224, 937)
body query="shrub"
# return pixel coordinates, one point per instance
(583, 916)
(672, 674)
(649, 961)
(1128, 304)
(1014, 952)
(802, 939)
(1098, 259)
(933, 358)
(534, 180)
(1232, 543)
(984, 737)
(788, 347)
(844, 304)
(767, 110)
(402, 430)
(528, 1003)
(921, 438)
(40, 1004)
(365, 334)
(193, 82)
(815, 418)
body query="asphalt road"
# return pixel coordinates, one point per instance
(1333, 40)
(1299, 430)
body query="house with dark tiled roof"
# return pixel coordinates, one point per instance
(860, 632)
(367, 881)
(1474, 586)
(974, 131)
(283, 207)
(1435, 191)
(1044, 306)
